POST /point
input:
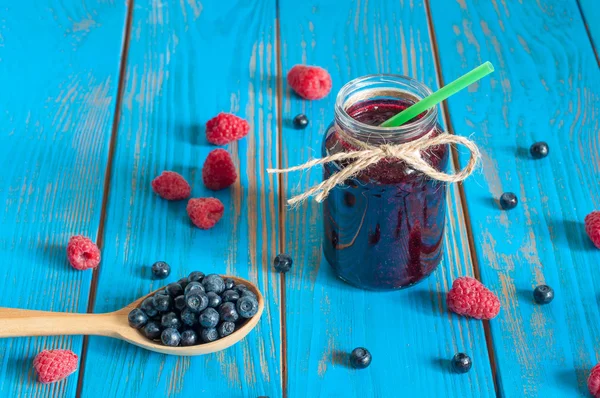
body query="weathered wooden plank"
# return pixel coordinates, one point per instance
(546, 87)
(187, 62)
(59, 66)
(410, 333)
(591, 14)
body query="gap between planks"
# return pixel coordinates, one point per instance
(465, 210)
(587, 30)
(107, 181)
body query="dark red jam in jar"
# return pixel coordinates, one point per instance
(384, 228)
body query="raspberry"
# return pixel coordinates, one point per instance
(218, 171)
(54, 365)
(309, 82)
(82, 253)
(205, 212)
(171, 186)
(469, 297)
(592, 227)
(225, 128)
(593, 381)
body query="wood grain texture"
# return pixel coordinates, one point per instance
(187, 62)
(591, 14)
(410, 333)
(546, 87)
(59, 65)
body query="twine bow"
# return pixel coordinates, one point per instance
(368, 155)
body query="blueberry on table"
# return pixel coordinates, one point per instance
(196, 276)
(227, 312)
(137, 318)
(194, 287)
(282, 263)
(183, 282)
(196, 302)
(189, 337)
(543, 294)
(148, 307)
(209, 318)
(162, 302)
(461, 363)
(188, 317)
(214, 300)
(247, 306)
(174, 289)
(300, 121)
(508, 200)
(170, 337)
(230, 295)
(170, 320)
(360, 358)
(213, 283)
(229, 283)
(161, 270)
(208, 335)
(152, 330)
(179, 302)
(539, 150)
(225, 328)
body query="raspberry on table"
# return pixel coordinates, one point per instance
(171, 186)
(205, 212)
(309, 82)
(82, 253)
(218, 171)
(54, 365)
(470, 297)
(592, 227)
(593, 381)
(226, 127)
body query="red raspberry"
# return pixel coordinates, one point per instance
(218, 171)
(171, 186)
(205, 212)
(54, 365)
(82, 253)
(309, 82)
(225, 128)
(593, 381)
(469, 297)
(592, 227)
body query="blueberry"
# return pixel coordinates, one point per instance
(250, 293)
(209, 318)
(508, 200)
(229, 283)
(170, 337)
(230, 295)
(188, 317)
(194, 287)
(300, 121)
(189, 337)
(170, 320)
(161, 270)
(247, 306)
(227, 312)
(225, 328)
(162, 291)
(543, 294)
(282, 263)
(196, 276)
(214, 300)
(208, 335)
(213, 283)
(148, 307)
(183, 282)
(137, 318)
(461, 363)
(174, 289)
(180, 302)
(196, 302)
(360, 358)
(539, 150)
(152, 330)
(240, 288)
(161, 302)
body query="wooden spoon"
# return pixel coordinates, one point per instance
(20, 323)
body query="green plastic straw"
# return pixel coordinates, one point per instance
(440, 95)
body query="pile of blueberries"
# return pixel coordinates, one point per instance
(194, 310)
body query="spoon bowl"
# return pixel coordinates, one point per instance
(20, 323)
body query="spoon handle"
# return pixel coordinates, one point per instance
(18, 323)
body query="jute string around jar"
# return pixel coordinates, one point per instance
(367, 155)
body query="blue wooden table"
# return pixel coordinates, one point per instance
(99, 96)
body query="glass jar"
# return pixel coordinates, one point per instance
(384, 228)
